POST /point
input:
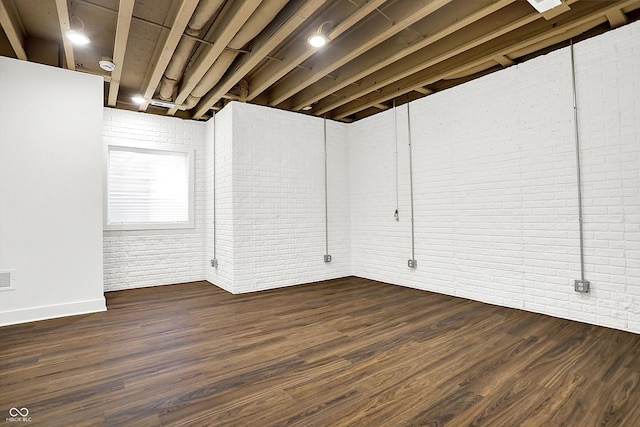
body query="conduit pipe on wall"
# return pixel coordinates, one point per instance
(412, 262)
(214, 261)
(396, 214)
(178, 63)
(327, 257)
(263, 15)
(580, 285)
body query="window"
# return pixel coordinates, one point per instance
(148, 188)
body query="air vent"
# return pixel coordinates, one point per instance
(162, 104)
(5, 280)
(544, 5)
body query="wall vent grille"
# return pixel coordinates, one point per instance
(5, 281)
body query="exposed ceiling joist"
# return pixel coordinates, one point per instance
(504, 60)
(125, 14)
(517, 15)
(233, 17)
(13, 31)
(300, 52)
(555, 11)
(435, 27)
(178, 27)
(257, 51)
(379, 28)
(65, 26)
(423, 90)
(617, 18)
(265, 43)
(565, 28)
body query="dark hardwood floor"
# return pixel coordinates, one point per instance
(347, 352)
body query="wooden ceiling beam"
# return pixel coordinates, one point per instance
(617, 18)
(423, 90)
(274, 35)
(183, 16)
(299, 52)
(516, 16)
(504, 60)
(378, 29)
(13, 31)
(437, 26)
(125, 15)
(553, 33)
(381, 106)
(65, 26)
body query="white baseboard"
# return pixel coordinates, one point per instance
(33, 314)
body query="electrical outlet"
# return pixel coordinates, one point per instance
(582, 286)
(327, 258)
(412, 263)
(214, 263)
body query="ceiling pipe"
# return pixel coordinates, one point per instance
(178, 63)
(263, 15)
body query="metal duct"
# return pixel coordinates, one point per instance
(263, 15)
(203, 13)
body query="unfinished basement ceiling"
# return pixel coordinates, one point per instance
(198, 55)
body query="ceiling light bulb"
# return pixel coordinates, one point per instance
(138, 99)
(77, 37)
(307, 108)
(317, 40)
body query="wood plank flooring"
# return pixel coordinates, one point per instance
(348, 352)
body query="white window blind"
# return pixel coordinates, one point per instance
(149, 188)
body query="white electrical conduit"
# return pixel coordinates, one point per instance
(583, 283)
(412, 262)
(327, 257)
(396, 214)
(215, 169)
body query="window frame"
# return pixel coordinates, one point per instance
(149, 147)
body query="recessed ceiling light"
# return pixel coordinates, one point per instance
(317, 40)
(77, 37)
(138, 99)
(107, 64)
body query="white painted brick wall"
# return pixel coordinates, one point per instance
(608, 79)
(278, 202)
(140, 258)
(495, 187)
(495, 192)
(223, 276)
